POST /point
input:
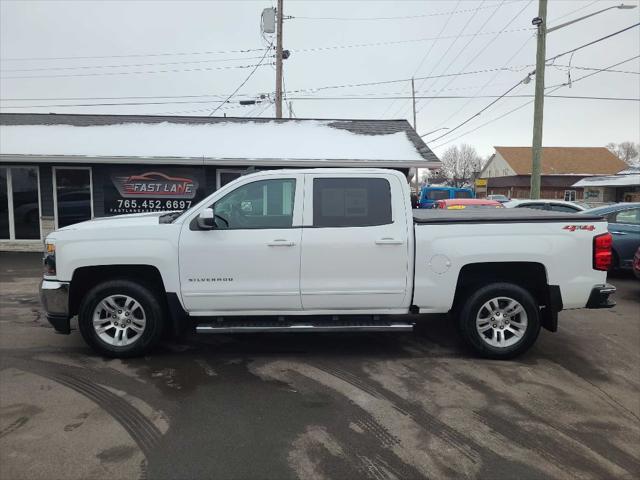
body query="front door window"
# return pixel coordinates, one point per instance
(262, 204)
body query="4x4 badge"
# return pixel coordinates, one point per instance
(573, 228)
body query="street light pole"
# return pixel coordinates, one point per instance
(538, 111)
(279, 14)
(538, 108)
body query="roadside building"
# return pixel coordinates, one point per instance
(508, 171)
(624, 187)
(56, 170)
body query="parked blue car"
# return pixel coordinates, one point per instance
(624, 227)
(430, 195)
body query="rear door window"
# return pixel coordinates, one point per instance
(462, 194)
(437, 194)
(351, 202)
(630, 217)
(556, 207)
(536, 206)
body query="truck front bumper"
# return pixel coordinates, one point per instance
(55, 301)
(599, 297)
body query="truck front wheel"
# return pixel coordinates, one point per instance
(121, 318)
(500, 320)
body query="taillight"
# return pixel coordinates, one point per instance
(602, 251)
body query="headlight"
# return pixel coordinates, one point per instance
(49, 260)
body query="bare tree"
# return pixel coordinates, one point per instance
(460, 164)
(625, 151)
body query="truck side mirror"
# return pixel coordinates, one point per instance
(206, 219)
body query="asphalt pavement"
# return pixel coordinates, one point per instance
(319, 406)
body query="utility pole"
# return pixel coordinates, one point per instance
(538, 112)
(413, 96)
(279, 14)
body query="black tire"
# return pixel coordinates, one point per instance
(474, 303)
(152, 308)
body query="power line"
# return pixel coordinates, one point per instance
(426, 55)
(592, 42)
(456, 97)
(402, 17)
(443, 56)
(301, 90)
(575, 67)
(245, 80)
(84, 67)
(448, 132)
(530, 102)
(513, 68)
(591, 74)
(475, 57)
(132, 55)
(572, 12)
(487, 83)
(295, 50)
(101, 74)
(345, 97)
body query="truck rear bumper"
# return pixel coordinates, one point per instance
(599, 297)
(55, 301)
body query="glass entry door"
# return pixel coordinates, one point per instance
(19, 203)
(73, 202)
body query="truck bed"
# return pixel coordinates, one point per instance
(497, 215)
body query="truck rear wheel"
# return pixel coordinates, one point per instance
(500, 320)
(121, 318)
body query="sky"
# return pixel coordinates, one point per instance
(186, 58)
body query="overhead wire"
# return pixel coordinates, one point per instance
(448, 132)
(245, 80)
(556, 88)
(443, 56)
(513, 68)
(126, 65)
(101, 74)
(426, 55)
(475, 57)
(400, 17)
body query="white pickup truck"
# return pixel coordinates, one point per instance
(326, 250)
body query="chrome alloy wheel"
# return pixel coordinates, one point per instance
(119, 320)
(501, 322)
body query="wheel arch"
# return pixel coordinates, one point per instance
(85, 278)
(532, 276)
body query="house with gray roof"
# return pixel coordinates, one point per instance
(59, 169)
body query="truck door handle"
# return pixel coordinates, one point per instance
(616, 232)
(388, 241)
(281, 242)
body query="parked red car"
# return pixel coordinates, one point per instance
(462, 203)
(636, 264)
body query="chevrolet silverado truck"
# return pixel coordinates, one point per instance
(322, 250)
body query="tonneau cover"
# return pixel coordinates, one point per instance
(498, 215)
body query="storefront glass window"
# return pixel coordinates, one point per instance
(26, 210)
(73, 195)
(4, 205)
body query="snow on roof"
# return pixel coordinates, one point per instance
(610, 181)
(284, 141)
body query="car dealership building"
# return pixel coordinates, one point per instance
(56, 170)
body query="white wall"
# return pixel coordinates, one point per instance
(497, 167)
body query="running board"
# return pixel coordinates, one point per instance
(239, 326)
